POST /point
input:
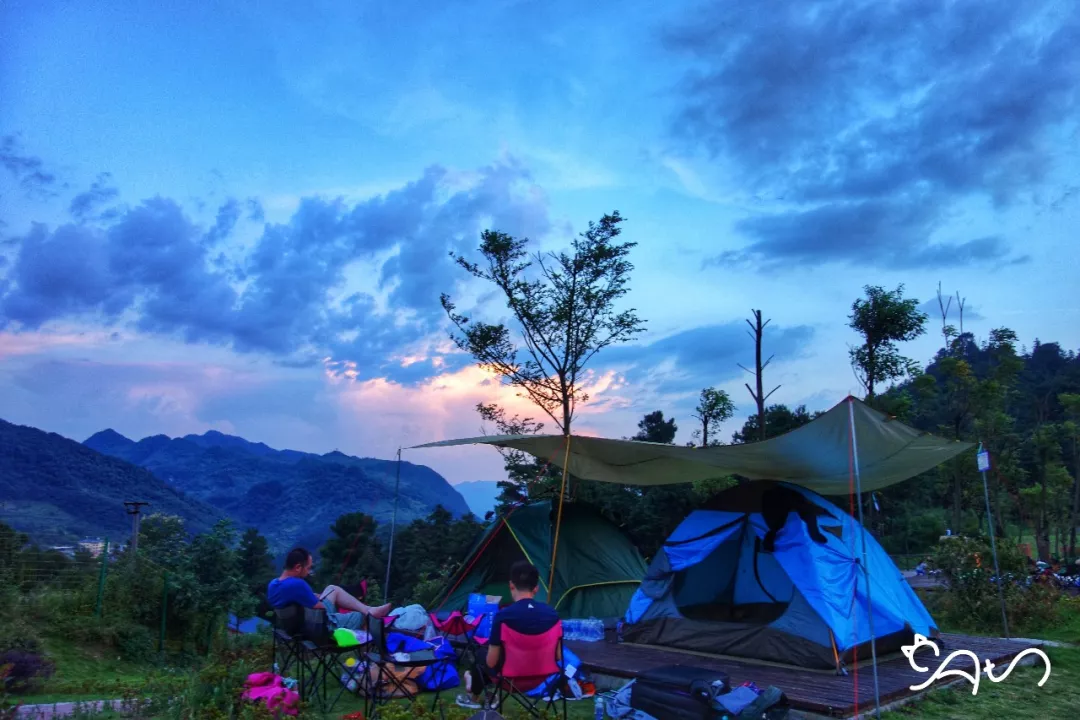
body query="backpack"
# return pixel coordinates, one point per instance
(678, 692)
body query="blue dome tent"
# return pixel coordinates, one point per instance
(770, 571)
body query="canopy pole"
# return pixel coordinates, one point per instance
(865, 563)
(558, 519)
(393, 527)
(983, 459)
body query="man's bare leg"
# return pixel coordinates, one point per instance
(345, 601)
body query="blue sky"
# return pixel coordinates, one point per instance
(237, 216)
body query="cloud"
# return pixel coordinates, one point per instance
(869, 232)
(875, 118)
(100, 193)
(289, 294)
(707, 355)
(30, 172)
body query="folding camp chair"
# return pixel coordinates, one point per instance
(460, 631)
(381, 659)
(530, 662)
(303, 639)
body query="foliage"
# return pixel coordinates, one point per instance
(655, 429)
(564, 305)
(353, 552)
(973, 600)
(427, 552)
(713, 408)
(25, 670)
(779, 419)
(526, 477)
(883, 318)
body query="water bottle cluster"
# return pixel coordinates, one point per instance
(591, 630)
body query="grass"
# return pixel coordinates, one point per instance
(1018, 696)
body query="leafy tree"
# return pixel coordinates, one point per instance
(428, 552)
(525, 476)
(1071, 429)
(779, 419)
(352, 553)
(256, 562)
(883, 318)
(564, 305)
(654, 428)
(712, 409)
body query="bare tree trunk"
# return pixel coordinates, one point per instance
(759, 396)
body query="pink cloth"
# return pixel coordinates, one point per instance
(269, 688)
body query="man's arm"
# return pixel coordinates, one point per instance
(494, 655)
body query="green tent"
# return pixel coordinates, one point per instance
(597, 569)
(819, 456)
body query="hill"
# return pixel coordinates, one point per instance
(481, 495)
(292, 497)
(58, 490)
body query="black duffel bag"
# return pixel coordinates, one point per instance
(675, 692)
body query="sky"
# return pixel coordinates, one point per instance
(238, 216)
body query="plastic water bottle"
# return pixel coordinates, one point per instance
(570, 630)
(618, 631)
(598, 704)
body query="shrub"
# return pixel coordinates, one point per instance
(25, 670)
(972, 600)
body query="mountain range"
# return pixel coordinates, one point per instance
(58, 490)
(53, 487)
(481, 495)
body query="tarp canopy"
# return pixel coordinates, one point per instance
(817, 456)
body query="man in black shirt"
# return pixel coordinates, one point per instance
(526, 615)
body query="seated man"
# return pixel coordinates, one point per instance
(525, 615)
(292, 588)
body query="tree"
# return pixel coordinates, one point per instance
(256, 562)
(352, 553)
(1071, 428)
(525, 477)
(779, 419)
(883, 318)
(428, 552)
(759, 396)
(564, 306)
(654, 428)
(712, 409)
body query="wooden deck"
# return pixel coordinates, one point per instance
(821, 692)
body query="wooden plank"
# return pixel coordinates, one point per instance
(809, 690)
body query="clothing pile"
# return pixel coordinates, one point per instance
(677, 692)
(269, 688)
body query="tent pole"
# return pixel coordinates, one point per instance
(865, 564)
(558, 520)
(393, 527)
(983, 458)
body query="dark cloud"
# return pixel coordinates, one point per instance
(100, 193)
(881, 111)
(865, 232)
(254, 210)
(30, 172)
(703, 356)
(283, 297)
(227, 216)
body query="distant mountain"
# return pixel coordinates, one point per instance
(292, 497)
(59, 490)
(481, 495)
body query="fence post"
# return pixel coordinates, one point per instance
(101, 577)
(164, 610)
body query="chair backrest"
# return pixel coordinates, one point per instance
(530, 655)
(303, 623)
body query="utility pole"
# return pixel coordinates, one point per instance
(132, 508)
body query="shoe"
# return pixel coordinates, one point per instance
(466, 701)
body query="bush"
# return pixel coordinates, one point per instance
(972, 601)
(25, 670)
